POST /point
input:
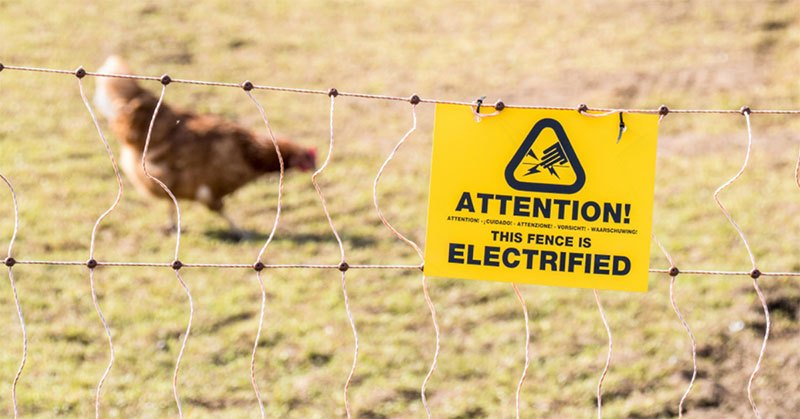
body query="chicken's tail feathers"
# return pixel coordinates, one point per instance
(114, 64)
(114, 92)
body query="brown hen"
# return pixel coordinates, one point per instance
(201, 158)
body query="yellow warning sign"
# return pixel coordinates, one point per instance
(542, 197)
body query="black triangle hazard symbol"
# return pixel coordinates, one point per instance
(546, 164)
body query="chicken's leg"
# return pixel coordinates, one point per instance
(172, 225)
(236, 232)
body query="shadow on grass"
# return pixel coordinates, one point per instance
(351, 240)
(232, 236)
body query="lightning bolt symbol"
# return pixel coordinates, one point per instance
(534, 169)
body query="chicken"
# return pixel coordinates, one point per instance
(201, 158)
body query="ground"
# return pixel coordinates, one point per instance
(610, 53)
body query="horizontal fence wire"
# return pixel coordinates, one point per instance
(337, 266)
(661, 110)
(361, 266)
(211, 265)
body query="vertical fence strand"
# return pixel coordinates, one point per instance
(24, 343)
(608, 358)
(102, 216)
(355, 344)
(13, 284)
(729, 182)
(156, 180)
(319, 190)
(527, 347)
(761, 351)
(176, 263)
(253, 380)
(111, 356)
(755, 272)
(691, 339)
(343, 264)
(432, 309)
(263, 250)
(175, 373)
(673, 273)
(797, 171)
(417, 249)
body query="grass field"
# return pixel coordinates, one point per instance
(610, 53)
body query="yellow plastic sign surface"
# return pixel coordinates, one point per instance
(542, 197)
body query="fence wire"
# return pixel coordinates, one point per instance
(263, 250)
(176, 264)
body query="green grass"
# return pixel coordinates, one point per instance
(633, 54)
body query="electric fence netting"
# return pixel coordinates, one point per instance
(259, 267)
